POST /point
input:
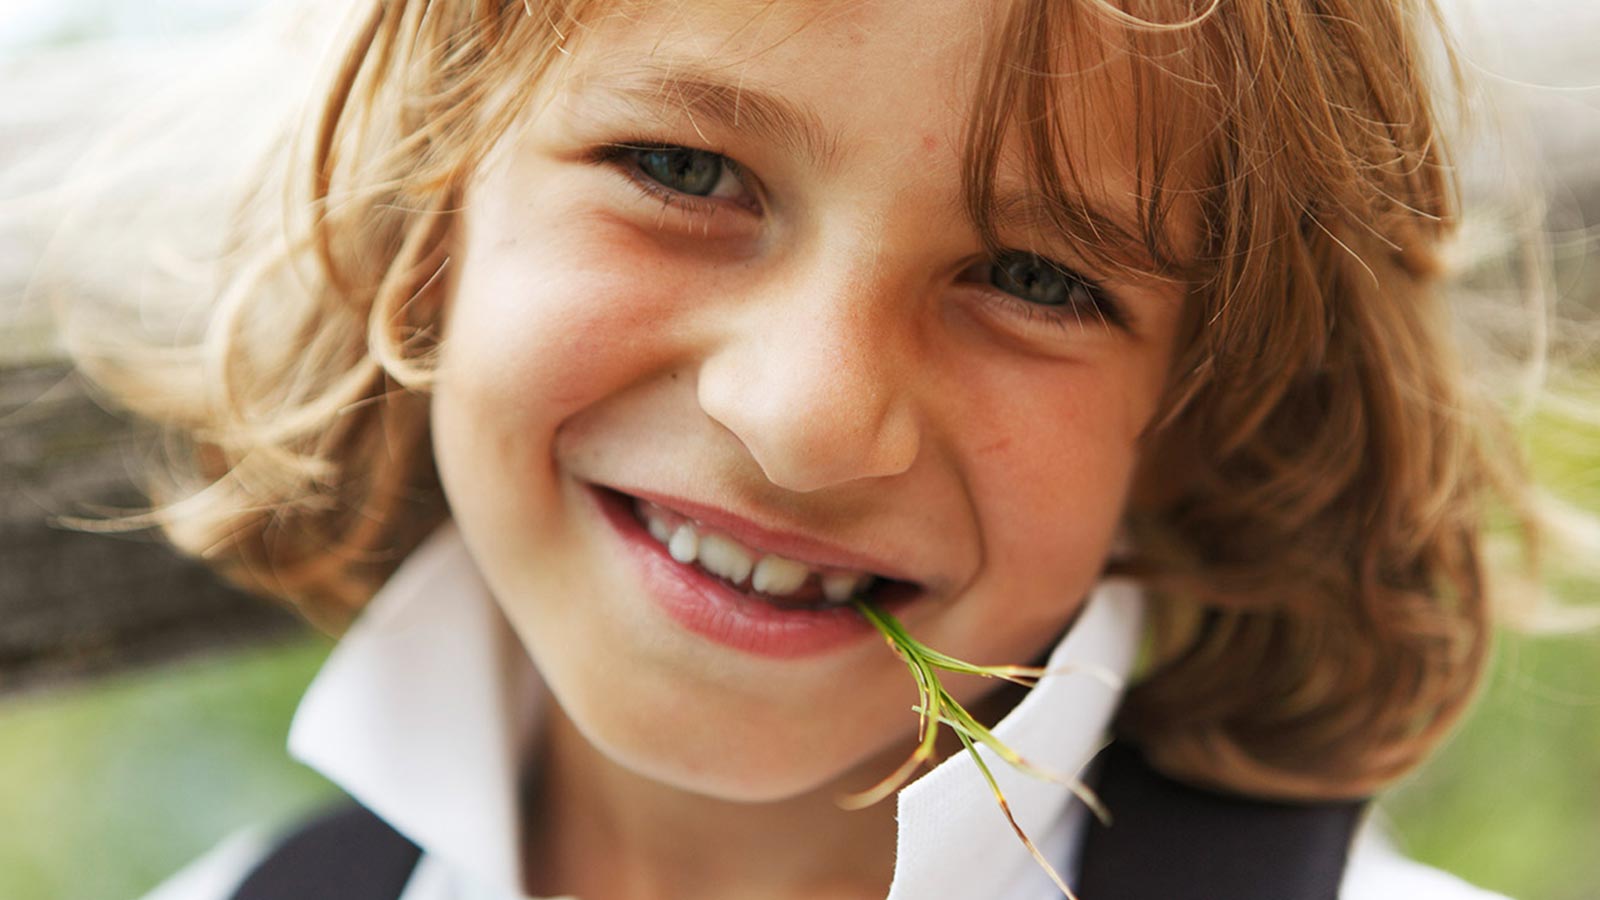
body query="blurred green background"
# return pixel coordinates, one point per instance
(1513, 800)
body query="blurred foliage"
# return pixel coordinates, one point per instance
(1513, 801)
(108, 788)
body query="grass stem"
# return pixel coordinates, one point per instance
(935, 706)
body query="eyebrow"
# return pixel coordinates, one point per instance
(704, 96)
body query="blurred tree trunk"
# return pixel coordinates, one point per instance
(73, 603)
(114, 153)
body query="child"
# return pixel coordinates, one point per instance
(620, 343)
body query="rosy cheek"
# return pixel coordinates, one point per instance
(558, 319)
(1050, 450)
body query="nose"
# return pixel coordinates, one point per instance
(817, 386)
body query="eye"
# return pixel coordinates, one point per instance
(689, 171)
(1052, 290)
(700, 181)
(693, 183)
(1037, 280)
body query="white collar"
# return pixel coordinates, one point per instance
(426, 708)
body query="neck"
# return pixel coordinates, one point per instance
(601, 832)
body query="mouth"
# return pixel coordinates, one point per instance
(737, 590)
(772, 578)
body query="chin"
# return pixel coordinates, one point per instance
(737, 759)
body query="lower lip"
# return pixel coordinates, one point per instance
(710, 608)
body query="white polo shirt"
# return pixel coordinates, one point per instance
(428, 707)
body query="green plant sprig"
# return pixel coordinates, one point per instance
(935, 706)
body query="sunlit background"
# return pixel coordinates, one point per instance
(108, 785)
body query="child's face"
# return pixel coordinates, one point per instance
(810, 342)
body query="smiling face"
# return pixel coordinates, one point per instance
(727, 267)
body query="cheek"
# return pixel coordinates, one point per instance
(543, 323)
(539, 325)
(1063, 502)
(1051, 460)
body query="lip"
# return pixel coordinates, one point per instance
(712, 609)
(814, 552)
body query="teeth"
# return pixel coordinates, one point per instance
(685, 544)
(778, 576)
(721, 556)
(841, 586)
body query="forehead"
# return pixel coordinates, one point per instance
(741, 30)
(917, 57)
(883, 83)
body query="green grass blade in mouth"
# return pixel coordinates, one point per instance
(1005, 807)
(935, 707)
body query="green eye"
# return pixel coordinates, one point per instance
(1038, 280)
(1048, 288)
(688, 171)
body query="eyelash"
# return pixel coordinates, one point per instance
(1104, 309)
(621, 156)
(1106, 314)
(1099, 308)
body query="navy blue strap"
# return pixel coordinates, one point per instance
(348, 854)
(1168, 841)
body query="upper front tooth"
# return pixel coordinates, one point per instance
(841, 586)
(776, 575)
(722, 556)
(684, 545)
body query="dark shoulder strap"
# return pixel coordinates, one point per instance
(1170, 841)
(346, 854)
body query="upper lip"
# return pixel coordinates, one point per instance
(815, 552)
